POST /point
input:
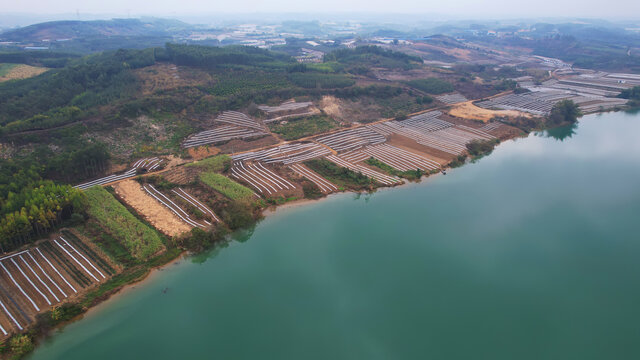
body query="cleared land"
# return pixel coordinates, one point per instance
(159, 216)
(467, 110)
(19, 71)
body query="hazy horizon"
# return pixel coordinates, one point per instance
(499, 9)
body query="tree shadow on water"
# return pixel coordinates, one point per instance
(561, 133)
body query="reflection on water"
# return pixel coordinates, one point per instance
(560, 133)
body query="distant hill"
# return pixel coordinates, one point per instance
(59, 30)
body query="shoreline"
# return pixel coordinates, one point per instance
(123, 290)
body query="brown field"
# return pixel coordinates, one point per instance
(467, 110)
(201, 152)
(405, 143)
(21, 71)
(158, 215)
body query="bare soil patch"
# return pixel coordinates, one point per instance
(201, 152)
(154, 212)
(347, 111)
(467, 110)
(238, 145)
(22, 71)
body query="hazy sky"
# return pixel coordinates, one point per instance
(467, 8)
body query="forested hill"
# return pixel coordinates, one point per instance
(68, 122)
(57, 30)
(72, 123)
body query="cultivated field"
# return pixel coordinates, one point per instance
(152, 210)
(35, 280)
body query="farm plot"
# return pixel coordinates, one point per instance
(148, 164)
(541, 100)
(352, 139)
(432, 132)
(238, 119)
(196, 203)
(220, 134)
(375, 175)
(395, 157)
(286, 154)
(290, 105)
(168, 203)
(323, 184)
(37, 279)
(452, 98)
(490, 126)
(157, 214)
(259, 177)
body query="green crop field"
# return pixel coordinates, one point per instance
(141, 241)
(226, 186)
(216, 163)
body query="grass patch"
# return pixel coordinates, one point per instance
(299, 127)
(226, 186)
(413, 175)
(218, 163)
(339, 175)
(139, 239)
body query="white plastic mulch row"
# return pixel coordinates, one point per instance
(285, 154)
(453, 98)
(351, 139)
(377, 176)
(239, 119)
(285, 106)
(219, 134)
(490, 126)
(264, 180)
(38, 278)
(164, 200)
(195, 202)
(69, 249)
(400, 159)
(147, 163)
(321, 182)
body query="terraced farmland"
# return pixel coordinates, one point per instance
(34, 280)
(323, 184)
(285, 154)
(148, 164)
(171, 205)
(266, 181)
(395, 157)
(287, 106)
(428, 130)
(351, 139)
(375, 175)
(220, 134)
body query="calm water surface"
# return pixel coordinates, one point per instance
(530, 253)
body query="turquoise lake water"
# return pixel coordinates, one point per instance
(532, 252)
